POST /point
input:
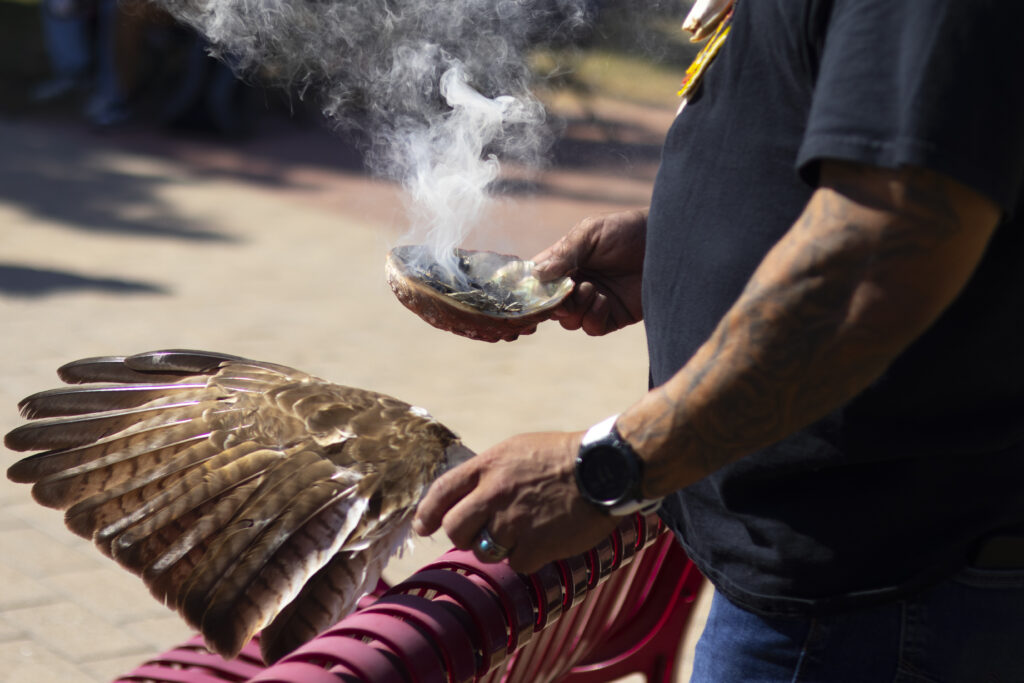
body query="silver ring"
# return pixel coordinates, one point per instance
(488, 550)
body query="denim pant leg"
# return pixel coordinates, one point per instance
(966, 630)
(740, 647)
(969, 629)
(737, 645)
(68, 44)
(107, 103)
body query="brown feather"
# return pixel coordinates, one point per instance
(147, 448)
(137, 556)
(280, 486)
(89, 514)
(274, 568)
(95, 399)
(115, 473)
(171, 568)
(221, 472)
(320, 604)
(78, 430)
(330, 594)
(108, 369)
(183, 361)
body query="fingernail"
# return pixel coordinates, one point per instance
(417, 526)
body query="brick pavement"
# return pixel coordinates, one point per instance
(133, 242)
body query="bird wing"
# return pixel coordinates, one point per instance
(239, 491)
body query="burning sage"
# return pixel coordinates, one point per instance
(483, 295)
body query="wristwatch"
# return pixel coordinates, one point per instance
(609, 472)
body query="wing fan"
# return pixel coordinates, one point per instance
(246, 495)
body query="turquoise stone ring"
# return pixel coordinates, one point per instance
(488, 550)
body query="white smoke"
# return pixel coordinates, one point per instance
(448, 172)
(441, 87)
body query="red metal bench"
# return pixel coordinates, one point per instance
(618, 609)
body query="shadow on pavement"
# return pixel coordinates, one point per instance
(27, 282)
(59, 178)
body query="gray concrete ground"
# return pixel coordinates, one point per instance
(271, 249)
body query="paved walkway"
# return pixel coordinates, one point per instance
(273, 250)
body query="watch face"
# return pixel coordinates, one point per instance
(605, 473)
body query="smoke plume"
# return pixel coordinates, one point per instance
(440, 87)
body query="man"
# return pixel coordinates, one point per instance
(833, 293)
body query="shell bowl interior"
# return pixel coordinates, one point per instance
(491, 297)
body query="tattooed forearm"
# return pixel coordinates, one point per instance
(874, 259)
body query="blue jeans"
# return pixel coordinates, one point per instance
(969, 629)
(67, 43)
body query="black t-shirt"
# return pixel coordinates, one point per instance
(890, 491)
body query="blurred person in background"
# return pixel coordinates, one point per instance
(68, 38)
(113, 51)
(81, 41)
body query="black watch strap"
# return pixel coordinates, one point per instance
(604, 433)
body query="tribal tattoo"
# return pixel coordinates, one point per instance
(874, 259)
